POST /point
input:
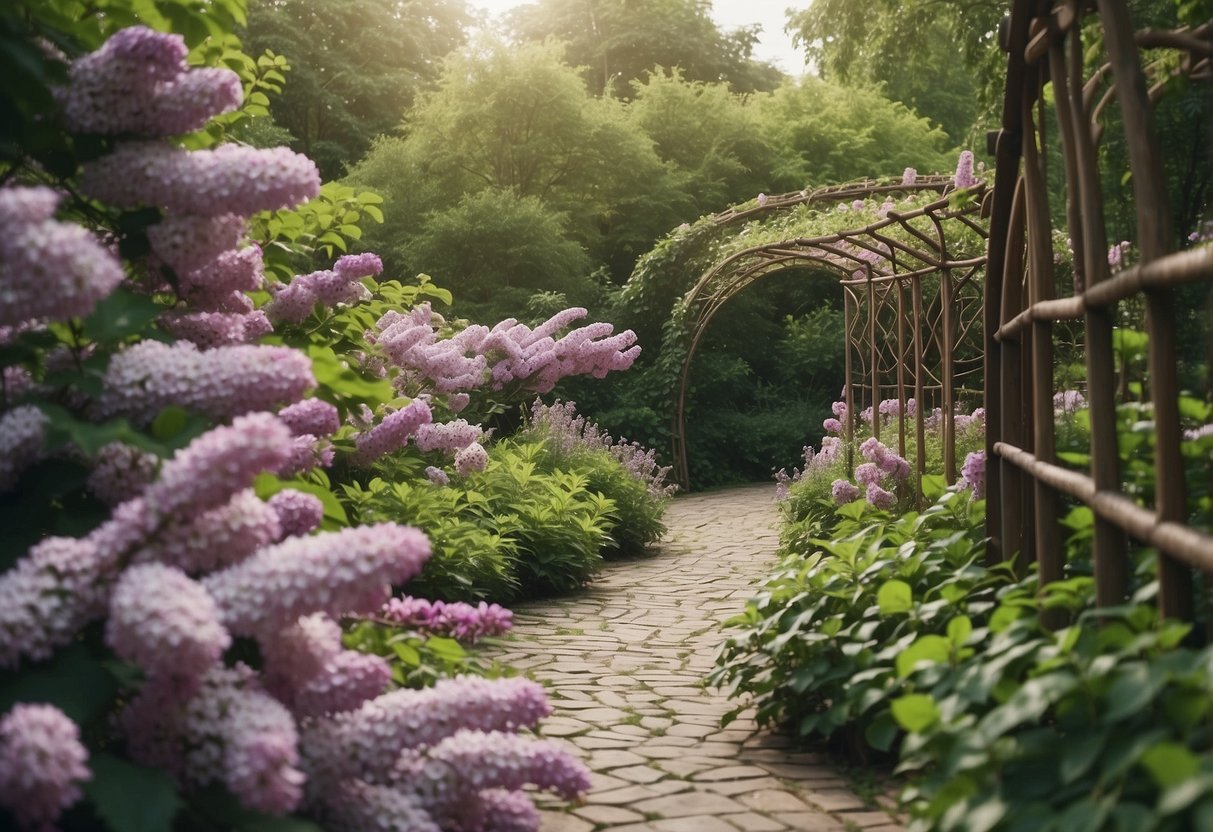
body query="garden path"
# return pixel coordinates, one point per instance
(624, 662)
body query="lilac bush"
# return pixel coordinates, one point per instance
(219, 611)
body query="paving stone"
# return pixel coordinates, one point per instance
(774, 800)
(611, 758)
(736, 787)
(750, 822)
(639, 774)
(834, 800)
(810, 822)
(866, 820)
(690, 803)
(608, 814)
(561, 822)
(694, 823)
(730, 773)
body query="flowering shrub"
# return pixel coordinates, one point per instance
(170, 615)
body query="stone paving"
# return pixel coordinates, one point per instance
(624, 662)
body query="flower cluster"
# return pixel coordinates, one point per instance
(138, 82)
(471, 459)
(121, 472)
(393, 431)
(42, 763)
(510, 353)
(1118, 254)
(48, 269)
(1068, 402)
(219, 383)
(293, 302)
(456, 619)
(973, 473)
(22, 433)
(908, 177)
(964, 177)
(569, 431)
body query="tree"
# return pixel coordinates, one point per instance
(357, 66)
(910, 47)
(828, 133)
(711, 135)
(618, 41)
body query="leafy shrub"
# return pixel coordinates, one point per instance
(622, 471)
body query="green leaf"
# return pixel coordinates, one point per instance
(928, 648)
(894, 597)
(407, 653)
(1133, 690)
(72, 680)
(915, 711)
(1079, 753)
(1169, 763)
(959, 630)
(882, 731)
(267, 485)
(132, 798)
(169, 422)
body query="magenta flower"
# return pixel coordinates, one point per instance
(42, 763)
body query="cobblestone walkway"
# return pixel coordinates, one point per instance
(624, 663)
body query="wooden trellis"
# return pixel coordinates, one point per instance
(1047, 42)
(901, 343)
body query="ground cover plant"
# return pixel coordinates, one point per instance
(1005, 706)
(190, 612)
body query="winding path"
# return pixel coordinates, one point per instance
(624, 663)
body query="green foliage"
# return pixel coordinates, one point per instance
(617, 42)
(358, 65)
(514, 529)
(828, 642)
(417, 661)
(312, 235)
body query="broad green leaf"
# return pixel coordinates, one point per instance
(959, 630)
(928, 648)
(1078, 754)
(132, 798)
(1169, 763)
(894, 597)
(121, 314)
(915, 712)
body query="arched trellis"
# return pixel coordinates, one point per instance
(1049, 42)
(892, 329)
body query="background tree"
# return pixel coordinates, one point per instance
(357, 66)
(618, 41)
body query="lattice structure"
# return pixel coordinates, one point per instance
(1047, 42)
(913, 298)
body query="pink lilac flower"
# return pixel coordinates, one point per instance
(455, 619)
(307, 452)
(762, 200)
(167, 624)
(839, 409)
(48, 269)
(227, 179)
(885, 208)
(365, 742)
(57, 588)
(783, 484)
(964, 177)
(447, 437)
(1196, 434)
(211, 287)
(294, 302)
(220, 383)
(973, 473)
(138, 82)
(298, 512)
(832, 426)
(844, 491)
(42, 763)
(308, 669)
(1068, 401)
(192, 244)
(121, 472)
(358, 266)
(472, 458)
(218, 464)
(868, 473)
(436, 475)
(230, 732)
(217, 538)
(311, 416)
(22, 435)
(392, 433)
(880, 498)
(909, 177)
(457, 401)
(356, 806)
(207, 330)
(460, 766)
(348, 571)
(1116, 254)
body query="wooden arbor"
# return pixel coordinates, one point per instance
(912, 293)
(1047, 42)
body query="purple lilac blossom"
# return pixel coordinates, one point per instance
(167, 624)
(1068, 401)
(844, 491)
(22, 436)
(191, 244)
(42, 763)
(832, 425)
(210, 287)
(48, 269)
(207, 330)
(308, 669)
(470, 459)
(349, 571)
(909, 177)
(227, 381)
(230, 732)
(311, 416)
(964, 177)
(138, 82)
(392, 433)
(298, 512)
(436, 475)
(973, 473)
(880, 498)
(455, 619)
(447, 437)
(120, 472)
(227, 179)
(217, 538)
